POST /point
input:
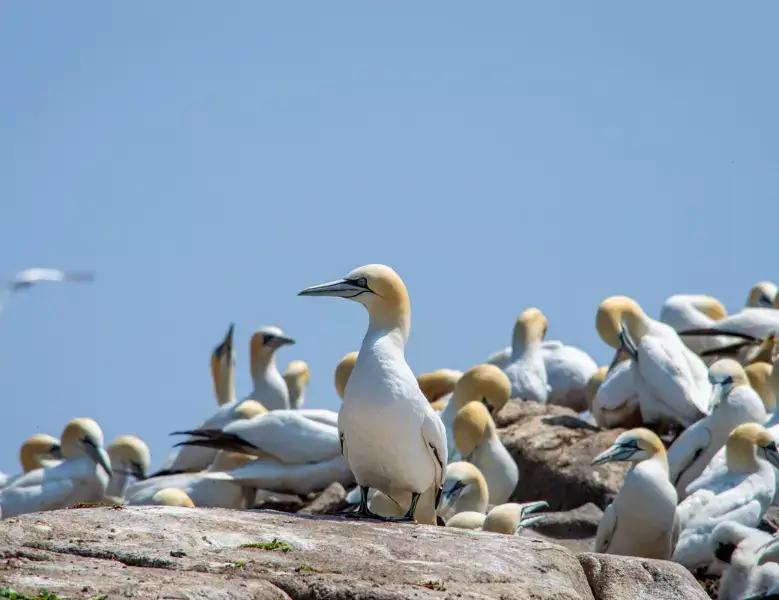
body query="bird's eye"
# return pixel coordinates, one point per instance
(728, 380)
(362, 282)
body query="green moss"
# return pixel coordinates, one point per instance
(274, 545)
(12, 595)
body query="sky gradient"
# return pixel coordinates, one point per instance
(209, 161)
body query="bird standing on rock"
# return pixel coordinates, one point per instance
(390, 435)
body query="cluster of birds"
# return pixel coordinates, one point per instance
(425, 448)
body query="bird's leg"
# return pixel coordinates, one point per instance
(409, 516)
(362, 512)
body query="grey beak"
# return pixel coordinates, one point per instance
(277, 341)
(98, 454)
(341, 288)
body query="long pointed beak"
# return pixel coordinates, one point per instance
(339, 289)
(627, 343)
(281, 340)
(527, 521)
(715, 396)
(610, 454)
(99, 455)
(228, 341)
(765, 551)
(772, 454)
(615, 361)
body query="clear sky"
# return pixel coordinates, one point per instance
(209, 160)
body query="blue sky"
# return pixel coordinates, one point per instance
(208, 161)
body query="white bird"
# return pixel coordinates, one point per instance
(740, 492)
(270, 389)
(477, 442)
(732, 403)
(465, 489)
(483, 383)
(641, 521)
(390, 436)
(671, 380)
(762, 295)
(508, 519)
(31, 277)
(208, 488)
(612, 396)
(525, 369)
(737, 547)
(81, 477)
(296, 376)
(130, 457)
(37, 452)
(695, 311)
(568, 369)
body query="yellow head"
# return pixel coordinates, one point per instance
(227, 461)
(438, 383)
(37, 449)
(759, 375)
(83, 438)
(764, 352)
(632, 446)
(249, 409)
(530, 327)
(725, 375)
(264, 343)
(711, 307)
(379, 289)
(472, 424)
(742, 443)
(223, 366)
(131, 454)
(596, 379)
(296, 375)
(464, 489)
(611, 312)
(172, 497)
(762, 295)
(509, 518)
(343, 371)
(484, 383)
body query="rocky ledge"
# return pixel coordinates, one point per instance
(182, 553)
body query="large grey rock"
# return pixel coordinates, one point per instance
(554, 455)
(628, 578)
(152, 552)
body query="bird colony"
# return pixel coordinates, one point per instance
(424, 448)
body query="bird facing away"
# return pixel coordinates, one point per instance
(391, 437)
(641, 521)
(343, 371)
(296, 376)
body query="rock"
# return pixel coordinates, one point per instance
(627, 578)
(331, 499)
(153, 552)
(554, 456)
(576, 524)
(268, 500)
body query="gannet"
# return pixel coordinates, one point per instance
(741, 491)
(737, 547)
(750, 323)
(762, 295)
(483, 383)
(732, 403)
(390, 436)
(130, 457)
(759, 376)
(612, 397)
(81, 477)
(465, 489)
(695, 311)
(525, 369)
(508, 519)
(270, 390)
(343, 371)
(223, 369)
(438, 386)
(296, 376)
(641, 521)
(172, 497)
(477, 442)
(38, 451)
(286, 435)
(26, 279)
(671, 380)
(203, 489)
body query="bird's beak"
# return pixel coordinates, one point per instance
(277, 341)
(715, 396)
(614, 453)
(450, 497)
(98, 454)
(228, 341)
(139, 471)
(765, 551)
(527, 521)
(772, 454)
(342, 288)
